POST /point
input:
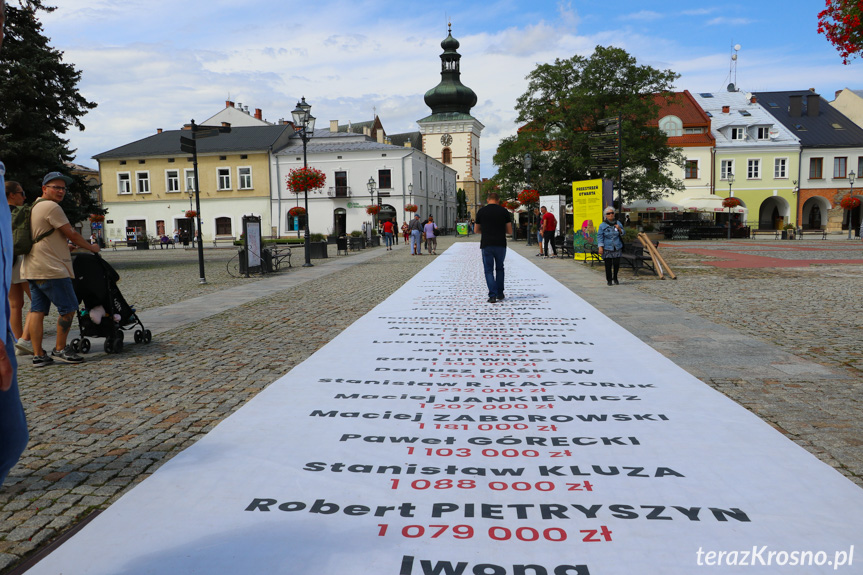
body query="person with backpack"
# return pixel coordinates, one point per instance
(15, 198)
(48, 267)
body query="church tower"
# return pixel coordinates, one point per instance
(450, 133)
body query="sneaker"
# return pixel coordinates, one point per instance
(42, 360)
(492, 299)
(501, 297)
(23, 347)
(66, 355)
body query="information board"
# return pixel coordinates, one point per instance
(587, 204)
(441, 435)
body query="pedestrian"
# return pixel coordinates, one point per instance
(388, 234)
(395, 232)
(493, 223)
(176, 237)
(15, 198)
(548, 225)
(430, 230)
(406, 232)
(48, 266)
(609, 240)
(13, 423)
(537, 217)
(416, 229)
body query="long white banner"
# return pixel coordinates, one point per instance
(441, 435)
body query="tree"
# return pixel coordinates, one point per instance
(840, 23)
(565, 102)
(461, 199)
(40, 102)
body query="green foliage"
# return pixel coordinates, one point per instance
(317, 238)
(40, 103)
(356, 234)
(564, 103)
(461, 199)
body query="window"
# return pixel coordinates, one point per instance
(840, 167)
(245, 177)
(172, 180)
(737, 134)
(143, 179)
(763, 133)
(447, 156)
(691, 169)
(859, 166)
(726, 168)
(753, 169)
(190, 180)
(341, 184)
(693, 130)
(816, 168)
(671, 126)
(385, 181)
(224, 178)
(124, 183)
(780, 168)
(223, 226)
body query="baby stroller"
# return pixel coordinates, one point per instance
(105, 314)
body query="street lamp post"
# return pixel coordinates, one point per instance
(371, 186)
(304, 124)
(851, 177)
(730, 195)
(528, 164)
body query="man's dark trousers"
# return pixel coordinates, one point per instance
(492, 263)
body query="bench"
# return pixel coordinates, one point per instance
(775, 233)
(223, 240)
(801, 233)
(633, 256)
(591, 253)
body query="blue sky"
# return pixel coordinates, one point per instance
(158, 64)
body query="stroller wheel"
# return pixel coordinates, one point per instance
(148, 336)
(84, 345)
(118, 344)
(109, 345)
(75, 344)
(139, 336)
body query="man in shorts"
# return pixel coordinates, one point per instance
(48, 267)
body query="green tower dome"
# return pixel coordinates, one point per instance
(450, 96)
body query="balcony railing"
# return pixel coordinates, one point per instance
(339, 192)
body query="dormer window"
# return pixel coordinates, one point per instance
(671, 126)
(738, 134)
(763, 133)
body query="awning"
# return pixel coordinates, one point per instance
(709, 204)
(660, 205)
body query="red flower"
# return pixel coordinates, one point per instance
(731, 202)
(411, 207)
(511, 205)
(373, 209)
(97, 218)
(191, 213)
(849, 202)
(528, 196)
(305, 179)
(297, 211)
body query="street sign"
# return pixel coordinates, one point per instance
(187, 145)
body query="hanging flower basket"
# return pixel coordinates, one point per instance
(373, 210)
(512, 205)
(191, 213)
(411, 208)
(731, 202)
(849, 202)
(528, 196)
(297, 211)
(95, 218)
(301, 180)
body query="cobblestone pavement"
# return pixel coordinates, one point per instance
(781, 342)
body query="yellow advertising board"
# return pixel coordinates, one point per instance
(587, 207)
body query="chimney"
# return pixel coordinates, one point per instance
(753, 99)
(726, 109)
(795, 106)
(334, 126)
(812, 102)
(226, 124)
(239, 106)
(408, 144)
(380, 135)
(259, 114)
(158, 130)
(229, 104)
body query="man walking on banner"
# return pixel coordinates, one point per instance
(493, 223)
(548, 225)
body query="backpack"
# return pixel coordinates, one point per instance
(22, 238)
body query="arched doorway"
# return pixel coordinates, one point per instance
(340, 222)
(853, 217)
(814, 213)
(773, 214)
(387, 213)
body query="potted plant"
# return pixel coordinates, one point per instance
(317, 246)
(411, 208)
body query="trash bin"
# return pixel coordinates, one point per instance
(267, 260)
(342, 245)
